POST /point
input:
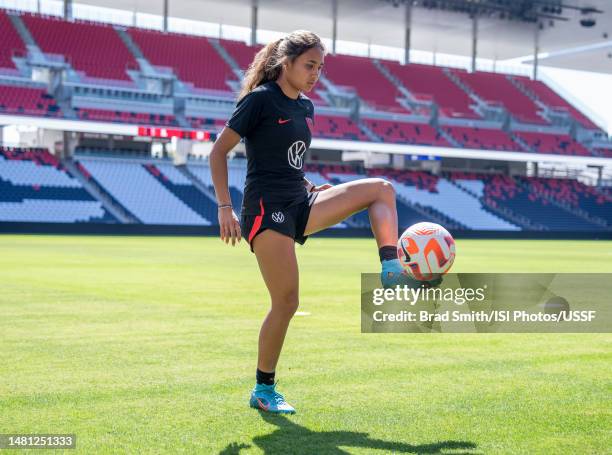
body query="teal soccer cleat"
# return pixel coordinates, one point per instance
(393, 274)
(266, 398)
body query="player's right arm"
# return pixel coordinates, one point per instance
(228, 221)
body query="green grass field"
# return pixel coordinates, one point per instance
(148, 345)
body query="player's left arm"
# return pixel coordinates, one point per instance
(312, 188)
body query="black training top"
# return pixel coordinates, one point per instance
(276, 136)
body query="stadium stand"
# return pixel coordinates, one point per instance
(136, 189)
(336, 127)
(497, 89)
(542, 92)
(406, 133)
(28, 101)
(574, 194)
(370, 84)
(504, 191)
(437, 195)
(553, 143)
(482, 138)
(215, 125)
(241, 52)
(456, 204)
(183, 188)
(237, 176)
(430, 83)
(126, 117)
(606, 153)
(193, 59)
(34, 187)
(11, 44)
(92, 48)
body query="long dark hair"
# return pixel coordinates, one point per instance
(267, 64)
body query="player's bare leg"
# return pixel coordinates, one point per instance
(278, 265)
(377, 195)
(341, 201)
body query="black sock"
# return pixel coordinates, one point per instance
(265, 378)
(387, 252)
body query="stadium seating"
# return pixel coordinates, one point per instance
(181, 187)
(574, 194)
(607, 153)
(482, 138)
(370, 84)
(457, 204)
(406, 133)
(503, 191)
(93, 48)
(35, 188)
(237, 176)
(34, 185)
(198, 63)
(241, 52)
(25, 100)
(430, 83)
(215, 125)
(497, 89)
(335, 127)
(553, 100)
(133, 186)
(553, 143)
(437, 195)
(11, 43)
(192, 58)
(126, 117)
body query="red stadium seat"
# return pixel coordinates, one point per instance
(126, 117)
(497, 89)
(370, 84)
(192, 58)
(241, 52)
(482, 138)
(11, 42)
(430, 82)
(553, 143)
(93, 48)
(406, 133)
(29, 101)
(335, 127)
(553, 100)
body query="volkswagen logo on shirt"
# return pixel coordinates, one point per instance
(296, 154)
(278, 217)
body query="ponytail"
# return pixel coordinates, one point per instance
(265, 67)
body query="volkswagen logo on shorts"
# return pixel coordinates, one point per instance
(278, 217)
(296, 153)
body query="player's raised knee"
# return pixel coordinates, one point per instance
(385, 187)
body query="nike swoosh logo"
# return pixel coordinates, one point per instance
(261, 405)
(282, 121)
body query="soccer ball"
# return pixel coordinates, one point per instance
(426, 250)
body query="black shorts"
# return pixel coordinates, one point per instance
(289, 220)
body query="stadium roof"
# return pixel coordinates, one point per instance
(565, 44)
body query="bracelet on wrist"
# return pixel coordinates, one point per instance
(224, 206)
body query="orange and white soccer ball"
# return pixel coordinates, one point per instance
(426, 250)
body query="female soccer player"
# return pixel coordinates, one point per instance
(280, 207)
